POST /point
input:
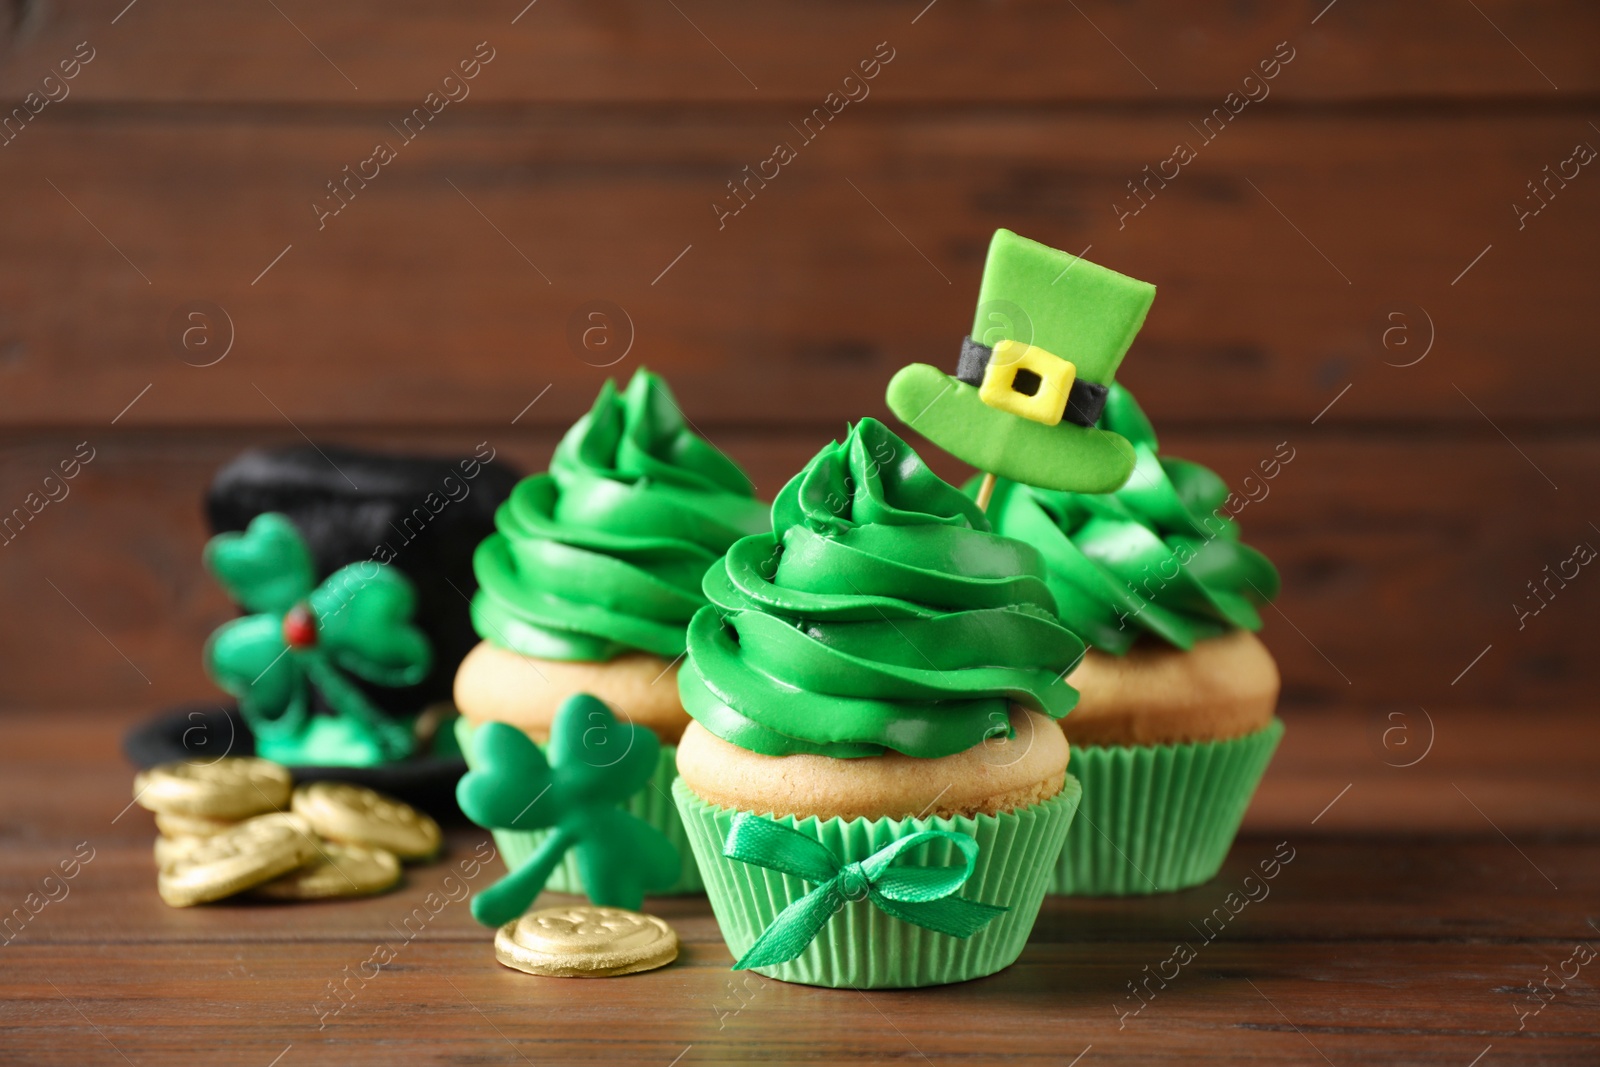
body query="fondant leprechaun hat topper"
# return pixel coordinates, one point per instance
(1049, 333)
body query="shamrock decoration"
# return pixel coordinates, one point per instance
(575, 794)
(304, 636)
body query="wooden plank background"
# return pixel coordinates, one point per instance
(1365, 202)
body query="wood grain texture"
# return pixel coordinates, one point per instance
(1402, 558)
(1386, 938)
(721, 51)
(1404, 779)
(444, 292)
(449, 1002)
(1341, 268)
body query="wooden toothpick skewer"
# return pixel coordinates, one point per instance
(985, 491)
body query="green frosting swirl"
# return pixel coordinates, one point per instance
(604, 553)
(883, 614)
(1155, 557)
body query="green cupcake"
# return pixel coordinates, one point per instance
(590, 581)
(1176, 722)
(874, 784)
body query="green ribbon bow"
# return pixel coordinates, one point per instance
(923, 896)
(302, 635)
(594, 764)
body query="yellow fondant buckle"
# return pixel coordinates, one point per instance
(1027, 381)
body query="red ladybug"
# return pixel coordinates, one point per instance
(300, 627)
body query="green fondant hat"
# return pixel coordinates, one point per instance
(1076, 309)
(1048, 335)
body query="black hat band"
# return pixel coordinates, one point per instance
(1085, 401)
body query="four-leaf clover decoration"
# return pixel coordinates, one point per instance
(576, 796)
(301, 635)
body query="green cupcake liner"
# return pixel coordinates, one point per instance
(1158, 818)
(653, 804)
(862, 947)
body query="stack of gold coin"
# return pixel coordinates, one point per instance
(335, 871)
(198, 794)
(227, 828)
(356, 815)
(255, 851)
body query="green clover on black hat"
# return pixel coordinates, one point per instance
(1049, 333)
(300, 636)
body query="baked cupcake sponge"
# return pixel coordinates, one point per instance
(999, 775)
(495, 684)
(1223, 688)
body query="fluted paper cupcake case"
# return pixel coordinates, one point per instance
(1158, 818)
(862, 947)
(653, 804)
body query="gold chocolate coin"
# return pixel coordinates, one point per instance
(357, 815)
(585, 941)
(192, 825)
(255, 851)
(231, 788)
(171, 850)
(338, 871)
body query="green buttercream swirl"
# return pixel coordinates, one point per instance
(1155, 557)
(604, 553)
(882, 614)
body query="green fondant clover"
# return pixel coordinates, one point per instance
(301, 635)
(575, 793)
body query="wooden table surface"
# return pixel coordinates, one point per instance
(1419, 905)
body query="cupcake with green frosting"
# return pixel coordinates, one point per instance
(874, 784)
(1176, 722)
(590, 580)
